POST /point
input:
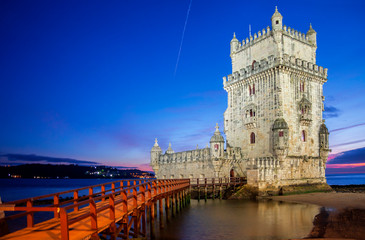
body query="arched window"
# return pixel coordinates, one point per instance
(253, 64)
(251, 113)
(252, 138)
(250, 90)
(302, 86)
(281, 134)
(253, 89)
(304, 136)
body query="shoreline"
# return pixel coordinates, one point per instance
(337, 200)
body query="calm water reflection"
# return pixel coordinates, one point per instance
(227, 219)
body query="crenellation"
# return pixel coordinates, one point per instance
(270, 62)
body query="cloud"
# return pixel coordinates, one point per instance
(347, 143)
(354, 157)
(145, 167)
(330, 112)
(31, 158)
(345, 170)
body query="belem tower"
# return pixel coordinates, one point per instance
(275, 133)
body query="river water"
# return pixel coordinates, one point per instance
(211, 219)
(236, 219)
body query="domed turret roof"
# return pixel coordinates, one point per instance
(217, 137)
(156, 147)
(234, 39)
(280, 123)
(169, 150)
(323, 129)
(311, 30)
(276, 13)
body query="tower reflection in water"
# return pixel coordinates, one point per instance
(231, 219)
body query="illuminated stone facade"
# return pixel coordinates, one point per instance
(275, 134)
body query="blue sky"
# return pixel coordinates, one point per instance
(94, 80)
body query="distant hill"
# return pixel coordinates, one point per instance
(69, 171)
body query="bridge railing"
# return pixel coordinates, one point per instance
(217, 181)
(127, 189)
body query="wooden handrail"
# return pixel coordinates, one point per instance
(141, 193)
(72, 190)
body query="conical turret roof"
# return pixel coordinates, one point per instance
(311, 30)
(217, 137)
(276, 13)
(156, 147)
(234, 39)
(169, 150)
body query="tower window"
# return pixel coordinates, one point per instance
(252, 138)
(281, 134)
(251, 89)
(253, 64)
(216, 147)
(302, 86)
(277, 21)
(304, 136)
(252, 113)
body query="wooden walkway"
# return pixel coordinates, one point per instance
(117, 212)
(114, 210)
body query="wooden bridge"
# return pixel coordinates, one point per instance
(119, 209)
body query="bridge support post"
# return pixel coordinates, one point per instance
(172, 203)
(64, 224)
(152, 210)
(143, 216)
(160, 206)
(155, 208)
(167, 202)
(56, 202)
(213, 189)
(30, 215)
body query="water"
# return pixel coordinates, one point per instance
(20, 188)
(214, 219)
(345, 179)
(238, 219)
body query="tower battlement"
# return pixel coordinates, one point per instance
(277, 40)
(265, 33)
(272, 62)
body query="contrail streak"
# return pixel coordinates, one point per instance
(344, 128)
(182, 38)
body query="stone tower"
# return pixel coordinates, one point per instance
(275, 99)
(275, 134)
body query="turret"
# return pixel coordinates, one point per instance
(169, 150)
(280, 138)
(312, 35)
(155, 153)
(277, 20)
(217, 144)
(234, 43)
